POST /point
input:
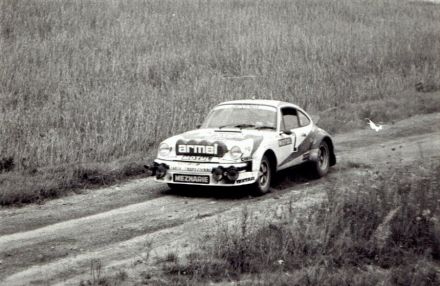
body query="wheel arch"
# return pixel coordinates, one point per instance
(270, 154)
(329, 142)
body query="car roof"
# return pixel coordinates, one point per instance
(274, 103)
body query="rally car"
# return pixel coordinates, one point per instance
(244, 142)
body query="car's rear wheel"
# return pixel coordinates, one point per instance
(321, 166)
(262, 185)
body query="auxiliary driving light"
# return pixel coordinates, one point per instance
(161, 171)
(232, 174)
(217, 174)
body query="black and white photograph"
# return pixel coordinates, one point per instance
(220, 142)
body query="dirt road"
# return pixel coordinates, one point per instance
(54, 243)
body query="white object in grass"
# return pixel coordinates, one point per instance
(375, 127)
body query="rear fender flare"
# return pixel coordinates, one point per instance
(321, 135)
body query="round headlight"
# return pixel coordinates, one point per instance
(235, 152)
(164, 149)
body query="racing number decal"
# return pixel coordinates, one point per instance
(284, 141)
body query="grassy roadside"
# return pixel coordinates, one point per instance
(384, 230)
(37, 185)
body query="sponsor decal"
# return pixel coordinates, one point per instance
(228, 135)
(192, 147)
(191, 179)
(197, 158)
(245, 180)
(197, 138)
(206, 170)
(284, 141)
(191, 169)
(300, 150)
(198, 149)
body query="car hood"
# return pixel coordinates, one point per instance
(247, 139)
(221, 134)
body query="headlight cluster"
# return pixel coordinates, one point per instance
(164, 149)
(235, 152)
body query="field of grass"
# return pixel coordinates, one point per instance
(384, 230)
(96, 83)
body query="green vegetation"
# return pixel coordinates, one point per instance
(384, 230)
(86, 83)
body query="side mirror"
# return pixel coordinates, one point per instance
(287, 132)
(198, 125)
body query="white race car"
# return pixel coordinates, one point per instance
(244, 142)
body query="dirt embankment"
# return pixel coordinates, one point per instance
(123, 225)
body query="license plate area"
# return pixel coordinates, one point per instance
(191, 179)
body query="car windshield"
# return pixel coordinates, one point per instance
(242, 116)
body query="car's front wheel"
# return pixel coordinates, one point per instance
(262, 185)
(322, 164)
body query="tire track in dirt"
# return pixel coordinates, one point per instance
(88, 202)
(126, 253)
(90, 232)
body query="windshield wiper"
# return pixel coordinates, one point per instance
(265, 127)
(241, 126)
(244, 125)
(237, 126)
(224, 126)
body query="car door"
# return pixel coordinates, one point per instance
(299, 133)
(303, 132)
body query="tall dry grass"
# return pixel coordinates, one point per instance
(92, 81)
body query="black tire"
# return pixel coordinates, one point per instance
(321, 166)
(264, 179)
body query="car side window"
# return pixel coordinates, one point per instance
(303, 119)
(290, 119)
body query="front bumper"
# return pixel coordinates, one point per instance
(202, 174)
